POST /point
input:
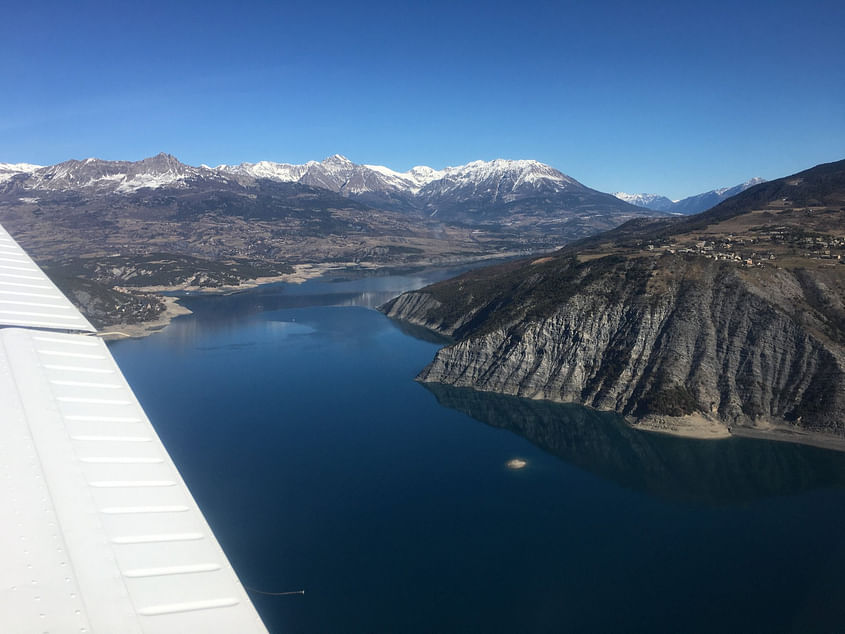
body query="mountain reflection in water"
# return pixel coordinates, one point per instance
(729, 471)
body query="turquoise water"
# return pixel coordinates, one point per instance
(322, 465)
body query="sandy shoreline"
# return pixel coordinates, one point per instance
(706, 428)
(834, 443)
(690, 426)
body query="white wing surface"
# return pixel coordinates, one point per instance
(99, 532)
(28, 298)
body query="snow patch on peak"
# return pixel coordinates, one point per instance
(727, 192)
(424, 171)
(281, 172)
(9, 170)
(521, 172)
(141, 181)
(632, 198)
(649, 201)
(413, 179)
(503, 165)
(19, 167)
(386, 171)
(338, 159)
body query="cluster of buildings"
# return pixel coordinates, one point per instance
(723, 250)
(738, 249)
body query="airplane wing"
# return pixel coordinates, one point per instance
(99, 531)
(28, 298)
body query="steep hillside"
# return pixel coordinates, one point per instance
(731, 319)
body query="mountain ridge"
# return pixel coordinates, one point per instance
(497, 181)
(421, 186)
(411, 181)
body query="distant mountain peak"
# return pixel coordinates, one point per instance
(691, 204)
(163, 161)
(338, 159)
(648, 201)
(98, 176)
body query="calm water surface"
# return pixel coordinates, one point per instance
(321, 465)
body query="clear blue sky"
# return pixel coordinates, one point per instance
(672, 97)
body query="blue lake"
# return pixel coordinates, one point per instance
(320, 463)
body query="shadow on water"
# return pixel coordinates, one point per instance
(421, 333)
(716, 472)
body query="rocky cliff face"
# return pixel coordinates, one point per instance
(655, 339)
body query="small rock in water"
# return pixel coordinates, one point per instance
(516, 463)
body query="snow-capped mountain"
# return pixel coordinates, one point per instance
(498, 181)
(372, 184)
(648, 201)
(474, 185)
(691, 204)
(339, 174)
(448, 192)
(95, 176)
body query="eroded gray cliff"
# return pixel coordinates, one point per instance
(647, 337)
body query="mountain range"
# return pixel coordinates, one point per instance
(470, 192)
(477, 191)
(690, 204)
(484, 182)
